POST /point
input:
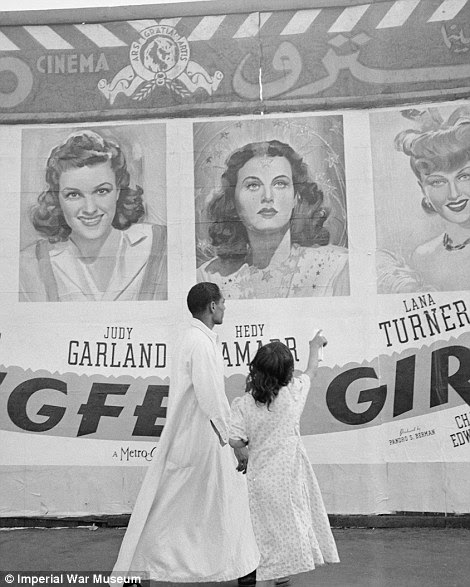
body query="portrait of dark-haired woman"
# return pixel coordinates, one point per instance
(94, 245)
(267, 228)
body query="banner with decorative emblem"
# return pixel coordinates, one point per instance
(333, 57)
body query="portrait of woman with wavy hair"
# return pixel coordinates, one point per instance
(439, 157)
(266, 225)
(94, 246)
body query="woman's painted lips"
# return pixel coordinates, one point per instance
(93, 221)
(457, 206)
(267, 212)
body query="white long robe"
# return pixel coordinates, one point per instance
(191, 521)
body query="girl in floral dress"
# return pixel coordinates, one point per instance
(289, 518)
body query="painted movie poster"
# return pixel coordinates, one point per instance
(93, 214)
(421, 168)
(85, 385)
(271, 214)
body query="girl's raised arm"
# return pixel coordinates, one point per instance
(316, 345)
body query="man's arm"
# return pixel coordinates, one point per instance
(208, 386)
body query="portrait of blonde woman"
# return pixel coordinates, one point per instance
(267, 227)
(438, 151)
(94, 243)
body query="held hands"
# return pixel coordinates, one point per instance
(242, 458)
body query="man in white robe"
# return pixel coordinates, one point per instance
(191, 521)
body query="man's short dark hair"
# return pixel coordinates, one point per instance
(201, 295)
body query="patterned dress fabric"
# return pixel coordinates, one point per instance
(307, 272)
(288, 515)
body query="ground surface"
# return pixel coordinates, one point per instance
(410, 557)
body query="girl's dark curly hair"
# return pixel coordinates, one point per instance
(271, 369)
(84, 149)
(228, 233)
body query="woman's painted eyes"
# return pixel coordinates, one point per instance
(103, 191)
(71, 195)
(255, 185)
(437, 183)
